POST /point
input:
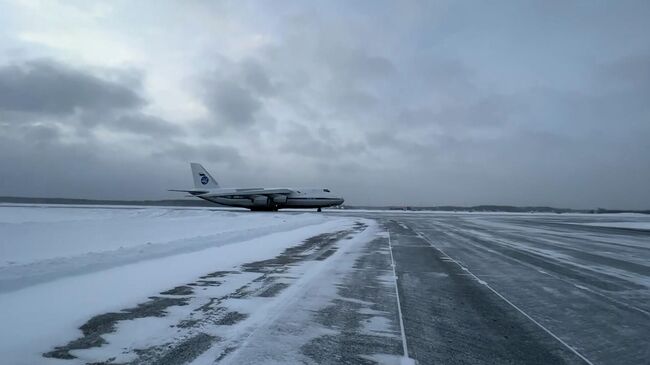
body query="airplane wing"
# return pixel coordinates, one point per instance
(193, 192)
(252, 192)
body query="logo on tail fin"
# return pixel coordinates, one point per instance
(204, 178)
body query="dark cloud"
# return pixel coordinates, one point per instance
(354, 64)
(436, 114)
(235, 92)
(44, 86)
(209, 152)
(45, 95)
(299, 140)
(43, 133)
(88, 169)
(323, 145)
(382, 138)
(52, 117)
(232, 104)
(489, 113)
(256, 78)
(633, 70)
(144, 125)
(436, 103)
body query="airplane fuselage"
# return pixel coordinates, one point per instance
(297, 198)
(207, 188)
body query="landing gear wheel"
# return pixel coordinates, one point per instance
(319, 210)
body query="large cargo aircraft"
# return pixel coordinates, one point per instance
(207, 188)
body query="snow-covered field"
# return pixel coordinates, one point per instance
(60, 266)
(32, 234)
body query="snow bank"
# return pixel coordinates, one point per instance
(40, 244)
(29, 234)
(38, 316)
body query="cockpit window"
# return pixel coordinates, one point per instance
(326, 190)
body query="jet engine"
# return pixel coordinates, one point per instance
(261, 201)
(280, 199)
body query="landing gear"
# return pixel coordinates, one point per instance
(318, 210)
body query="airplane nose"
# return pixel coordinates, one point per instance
(340, 201)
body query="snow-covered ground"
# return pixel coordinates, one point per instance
(30, 234)
(40, 244)
(61, 266)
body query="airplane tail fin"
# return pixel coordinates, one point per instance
(202, 178)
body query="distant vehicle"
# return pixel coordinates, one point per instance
(269, 199)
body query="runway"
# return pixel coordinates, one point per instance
(521, 289)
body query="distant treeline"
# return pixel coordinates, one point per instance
(501, 208)
(170, 202)
(203, 203)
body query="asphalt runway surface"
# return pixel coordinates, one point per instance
(521, 289)
(430, 288)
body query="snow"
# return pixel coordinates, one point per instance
(632, 225)
(38, 315)
(378, 326)
(40, 244)
(385, 359)
(29, 234)
(286, 318)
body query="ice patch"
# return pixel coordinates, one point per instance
(378, 326)
(580, 287)
(550, 290)
(372, 312)
(387, 279)
(387, 359)
(357, 301)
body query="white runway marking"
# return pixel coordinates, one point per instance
(509, 302)
(399, 306)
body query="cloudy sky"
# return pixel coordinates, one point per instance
(397, 102)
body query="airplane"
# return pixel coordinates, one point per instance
(258, 199)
